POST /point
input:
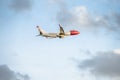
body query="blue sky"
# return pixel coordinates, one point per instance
(72, 58)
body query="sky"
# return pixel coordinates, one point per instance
(94, 54)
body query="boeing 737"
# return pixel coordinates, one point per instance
(61, 34)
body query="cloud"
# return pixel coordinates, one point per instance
(117, 51)
(117, 17)
(80, 16)
(105, 64)
(7, 74)
(21, 5)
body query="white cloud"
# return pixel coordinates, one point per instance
(79, 16)
(82, 15)
(117, 51)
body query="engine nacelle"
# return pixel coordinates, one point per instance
(61, 36)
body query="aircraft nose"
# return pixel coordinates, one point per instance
(74, 32)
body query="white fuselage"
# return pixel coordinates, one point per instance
(61, 34)
(54, 35)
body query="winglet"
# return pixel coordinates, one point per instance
(61, 30)
(37, 26)
(59, 25)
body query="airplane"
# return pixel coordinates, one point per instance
(61, 34)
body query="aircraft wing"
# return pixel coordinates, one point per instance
(61, 30)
